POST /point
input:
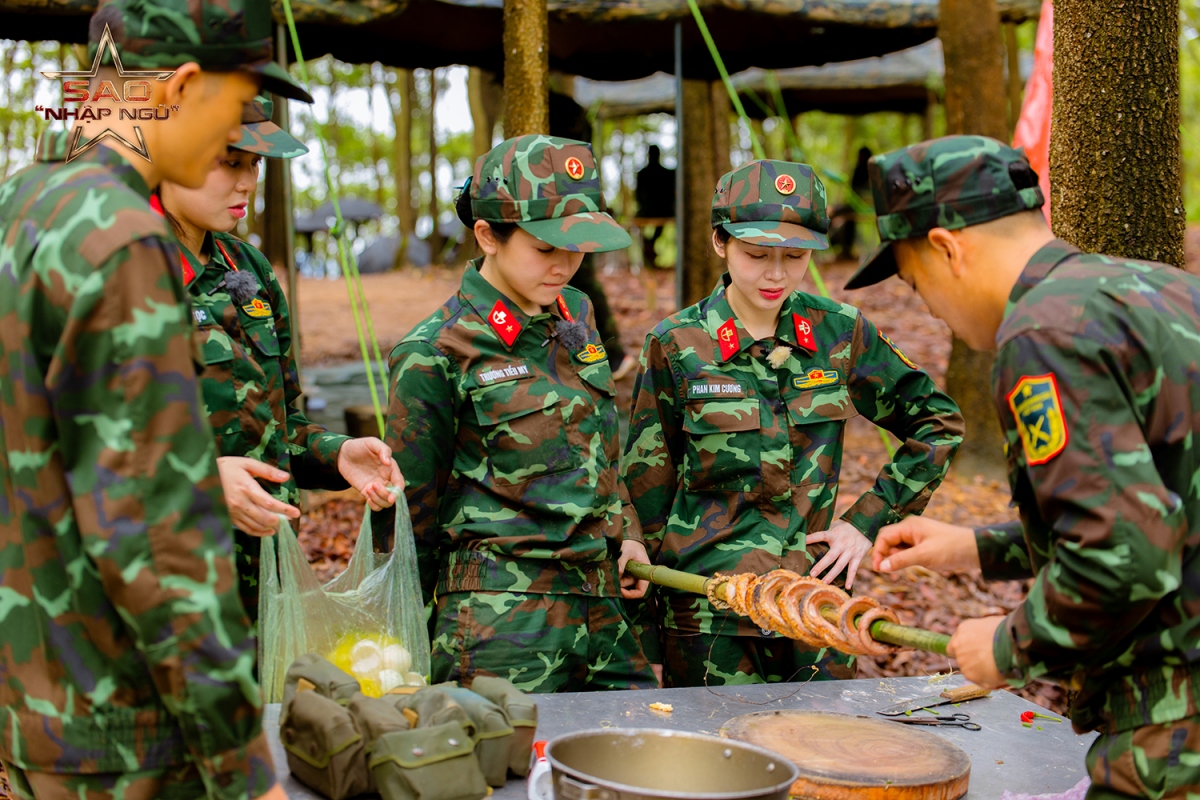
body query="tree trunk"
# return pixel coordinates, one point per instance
(526, 68)
(701, 267)
(481, 131)
(1115, 176)
(976, 104)
(377, 160)
(402, 106)
(435, 236)
(722, 111)
(1012, 63)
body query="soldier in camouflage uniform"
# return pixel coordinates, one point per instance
(250, 383)
(125, 657)
(735, 439)
(502, 418)
(1096, 385)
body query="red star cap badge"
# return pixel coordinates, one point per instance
(727, 338)
(506, 326)
(785, 184)
(804, 333)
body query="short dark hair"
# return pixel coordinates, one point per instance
(503, 231)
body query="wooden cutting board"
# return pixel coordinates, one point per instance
(841, 757)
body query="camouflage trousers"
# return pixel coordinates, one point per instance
(703, 659)
(540, 642)
(172, 783)
(1156, 761)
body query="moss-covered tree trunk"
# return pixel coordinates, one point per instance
(976, 103)
(526, 68)
(1115, 174)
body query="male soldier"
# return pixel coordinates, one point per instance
(1097, 384)
(126, 658)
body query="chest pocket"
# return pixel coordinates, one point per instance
(818, 418)
(522, 433)
(724, 446)
(261, 333)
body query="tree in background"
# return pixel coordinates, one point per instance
(526, 68)
(976, 103)
(1115, 171)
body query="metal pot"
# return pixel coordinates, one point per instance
(646, 764)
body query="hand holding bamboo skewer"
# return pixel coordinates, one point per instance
(802, 608)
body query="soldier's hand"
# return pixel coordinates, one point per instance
(847, 548)
(916, 541)
(250, 508)
(368, 466)
(631, 587)
(971, 647)
(274, 793)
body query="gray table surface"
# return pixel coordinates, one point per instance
(1004, 755)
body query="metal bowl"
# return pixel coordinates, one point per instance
(649, 764)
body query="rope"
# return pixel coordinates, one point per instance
(760, 153)
(363, 325)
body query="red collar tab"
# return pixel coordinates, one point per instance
(156, 205)
(506, 326)
(189, 274)
(562, 306)
(727, 338)
(804, 333)
(229, 261)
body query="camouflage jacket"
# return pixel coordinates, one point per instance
(731, 462)
(122, 642)
(508, 446)
(1096, 385)
(250, 386)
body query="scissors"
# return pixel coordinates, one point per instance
(951, 721)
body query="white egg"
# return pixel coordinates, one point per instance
(397, 658)
(390, 679)
(367, 665)
(414, 679)
(364, 648)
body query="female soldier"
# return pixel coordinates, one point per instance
(502, 418)
(250, 386)
(738, 416)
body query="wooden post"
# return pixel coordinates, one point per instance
(526, 68)
(402, 115)
(702, 267)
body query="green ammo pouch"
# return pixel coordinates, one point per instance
(434, 706)
(493, 734)
(436, 763)
(311, 671)
(376, 716)
(522, 715)
(325, 750)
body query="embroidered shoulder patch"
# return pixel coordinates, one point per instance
(815, 378)
(897, 350)
(1037, 408)
(592, 353)
(257, 308)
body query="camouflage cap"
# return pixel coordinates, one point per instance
(219, 35)
(773, 203)
(263, 137)
(951, 183)
(550, 187)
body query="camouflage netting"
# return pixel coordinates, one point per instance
(603, 39)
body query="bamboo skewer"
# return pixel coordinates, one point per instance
(881, 630)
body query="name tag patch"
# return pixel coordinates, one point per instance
(257, 308)
(815, 378)
(507, 372)
(705, 390)
(201, 316)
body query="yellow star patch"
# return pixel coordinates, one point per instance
(1037, 408)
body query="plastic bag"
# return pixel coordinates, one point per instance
(369, 620)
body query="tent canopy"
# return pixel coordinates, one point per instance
(602, 39)
(894, 82)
